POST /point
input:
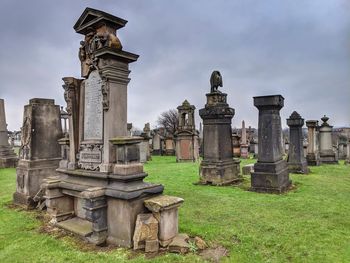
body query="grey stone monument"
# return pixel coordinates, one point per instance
(271, 171)
(296, 160)
(218, 166)
(327, 154)
(244, 142)
(187, 148)
(39, 155)
(8, 158)
(313, 155)
(145, 151)
(100, 192)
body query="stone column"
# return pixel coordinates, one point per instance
(296, 160)
(218, 166)
(244, 145)
(8, 157)
(271, 171)
(327, 154)
(313, 157)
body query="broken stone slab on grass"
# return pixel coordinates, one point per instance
(146, 233)
(180, 244)
(165, 210)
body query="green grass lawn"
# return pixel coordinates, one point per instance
(308, 224)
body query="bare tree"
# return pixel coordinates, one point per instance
(169, 121)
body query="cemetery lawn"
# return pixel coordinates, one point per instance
(309, 224)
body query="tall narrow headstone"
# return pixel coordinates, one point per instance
(39, 155)
(313, 155)
(296, 160)
(101, 191)
(8, 157)
(187, 148)
(244, 144)
(271, 171)
(218, 166)
(327, 154)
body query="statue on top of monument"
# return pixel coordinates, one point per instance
(215, 81)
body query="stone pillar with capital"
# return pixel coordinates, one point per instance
(271, 171)
(313, 156)
(296, 160)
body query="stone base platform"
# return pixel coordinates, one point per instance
(270, 177)
(77, 226)
(328, 158)
(220, 172)
(298, 168)
(312, 159)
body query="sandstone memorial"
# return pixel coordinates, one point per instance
(8, 157)
(313, 155)
(327, 154)
(270, 171)
(99, 193)
(187, 148)
(296, 160)
(218, 166)
(40, 152)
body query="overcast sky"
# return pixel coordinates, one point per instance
(299, 49)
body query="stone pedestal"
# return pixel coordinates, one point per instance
(187, 143)
(244, 142)
(165, 210)
(296, 160)
(271, 171)
(157, 144)
(236, 145)
(327, 154)
(218, 166)
(8, 158)
(244, 151)
(40, 152)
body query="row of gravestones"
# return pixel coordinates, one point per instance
(90, 177)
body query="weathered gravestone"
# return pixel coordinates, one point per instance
(39, 154)
(313, 155)
(218, 166)
(101, 191)
(145, 151)
(244, 142)
(169, 145)
(296, 160)
(8, 157)
(187, 148)
(156, 143)
(271, 171)
(327, 154)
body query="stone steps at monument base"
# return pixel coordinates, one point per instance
(77, 225)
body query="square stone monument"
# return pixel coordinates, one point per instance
(296, 159)
(100, 192)
(218, 166)
(187, 148)
(327, 154)
(39, 155)
(271, 171)
(8, 158)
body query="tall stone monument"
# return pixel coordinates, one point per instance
(187, 148)
(271, 171)
(8, 157)
(39, 155)
(244, 142)
(296, 160)
(218, 166)
(313, 155)
(327, 154)
(101, 191)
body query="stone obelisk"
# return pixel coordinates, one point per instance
(7, 156)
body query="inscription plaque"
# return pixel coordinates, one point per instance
(90, 157)
(93, 109)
